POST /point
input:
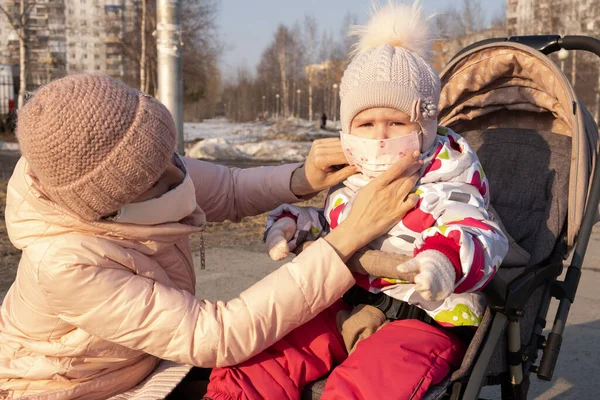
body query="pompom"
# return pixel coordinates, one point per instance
(398, 25)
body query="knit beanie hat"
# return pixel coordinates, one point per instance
(388, 68)
(94, 143)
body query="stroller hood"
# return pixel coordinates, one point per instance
(511, 85)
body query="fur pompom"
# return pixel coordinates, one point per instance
(398, 25)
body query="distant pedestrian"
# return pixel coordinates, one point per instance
(323, 120)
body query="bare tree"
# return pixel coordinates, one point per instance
(473, 16)
(143, 84)
(347, 41)
(454, 23)
(282, 41)
(294, 60)
(499, 17)
(311, 31)
(19, 22)
(200, 51)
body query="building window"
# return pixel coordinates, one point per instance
(85, 56)
(72, 55)
(97, 68)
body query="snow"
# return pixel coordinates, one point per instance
(221, 128)
(9, 146)
(220, 139)
(286, 140)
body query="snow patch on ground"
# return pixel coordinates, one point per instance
(219, 139)
(9, 146)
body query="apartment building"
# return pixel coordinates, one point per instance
(71, 36)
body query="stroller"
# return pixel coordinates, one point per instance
(539, 148)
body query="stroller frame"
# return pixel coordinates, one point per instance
(506, 300)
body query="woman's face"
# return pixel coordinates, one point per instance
(381, 123)
(170, 179)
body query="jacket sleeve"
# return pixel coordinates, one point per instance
(226, 193)
(454, 210)
(113, 303)
(466, 235)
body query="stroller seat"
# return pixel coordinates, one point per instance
(531, 204)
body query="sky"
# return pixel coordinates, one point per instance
(247, 26)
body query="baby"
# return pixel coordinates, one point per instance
(389, 95)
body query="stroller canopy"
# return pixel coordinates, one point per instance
(511, 85)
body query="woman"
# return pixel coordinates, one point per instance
(102, 210)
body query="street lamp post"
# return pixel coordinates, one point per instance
(298, 106)
(277, 107)
(264, 105)
(562, 56)
(335, 86)
(168, 47)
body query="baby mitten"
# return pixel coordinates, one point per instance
(433, 274)
(362, 322)
(289, 227)
(277, 238)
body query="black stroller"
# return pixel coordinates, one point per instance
(539, 148)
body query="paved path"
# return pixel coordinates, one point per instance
(577, 375)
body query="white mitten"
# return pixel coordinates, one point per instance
(278, 236)
(290, 226)
(432, 273)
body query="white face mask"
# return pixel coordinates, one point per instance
(172, 206)
(372, 156)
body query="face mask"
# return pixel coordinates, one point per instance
(372, 156)
(172, 206)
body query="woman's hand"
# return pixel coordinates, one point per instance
(319, 171)
(378, 207)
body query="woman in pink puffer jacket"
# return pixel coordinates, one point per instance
(102, 210)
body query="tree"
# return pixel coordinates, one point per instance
(473, 17)
(499, 18)
(294, 59)
(464, 26)
(282, 41)
(311, 31)
(347, 41)
(19, 21)
(143, 85)
(200, 51)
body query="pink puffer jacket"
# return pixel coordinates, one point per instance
(95, 305)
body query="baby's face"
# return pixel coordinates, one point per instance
(381, 123)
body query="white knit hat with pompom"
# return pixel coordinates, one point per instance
(389, 68)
